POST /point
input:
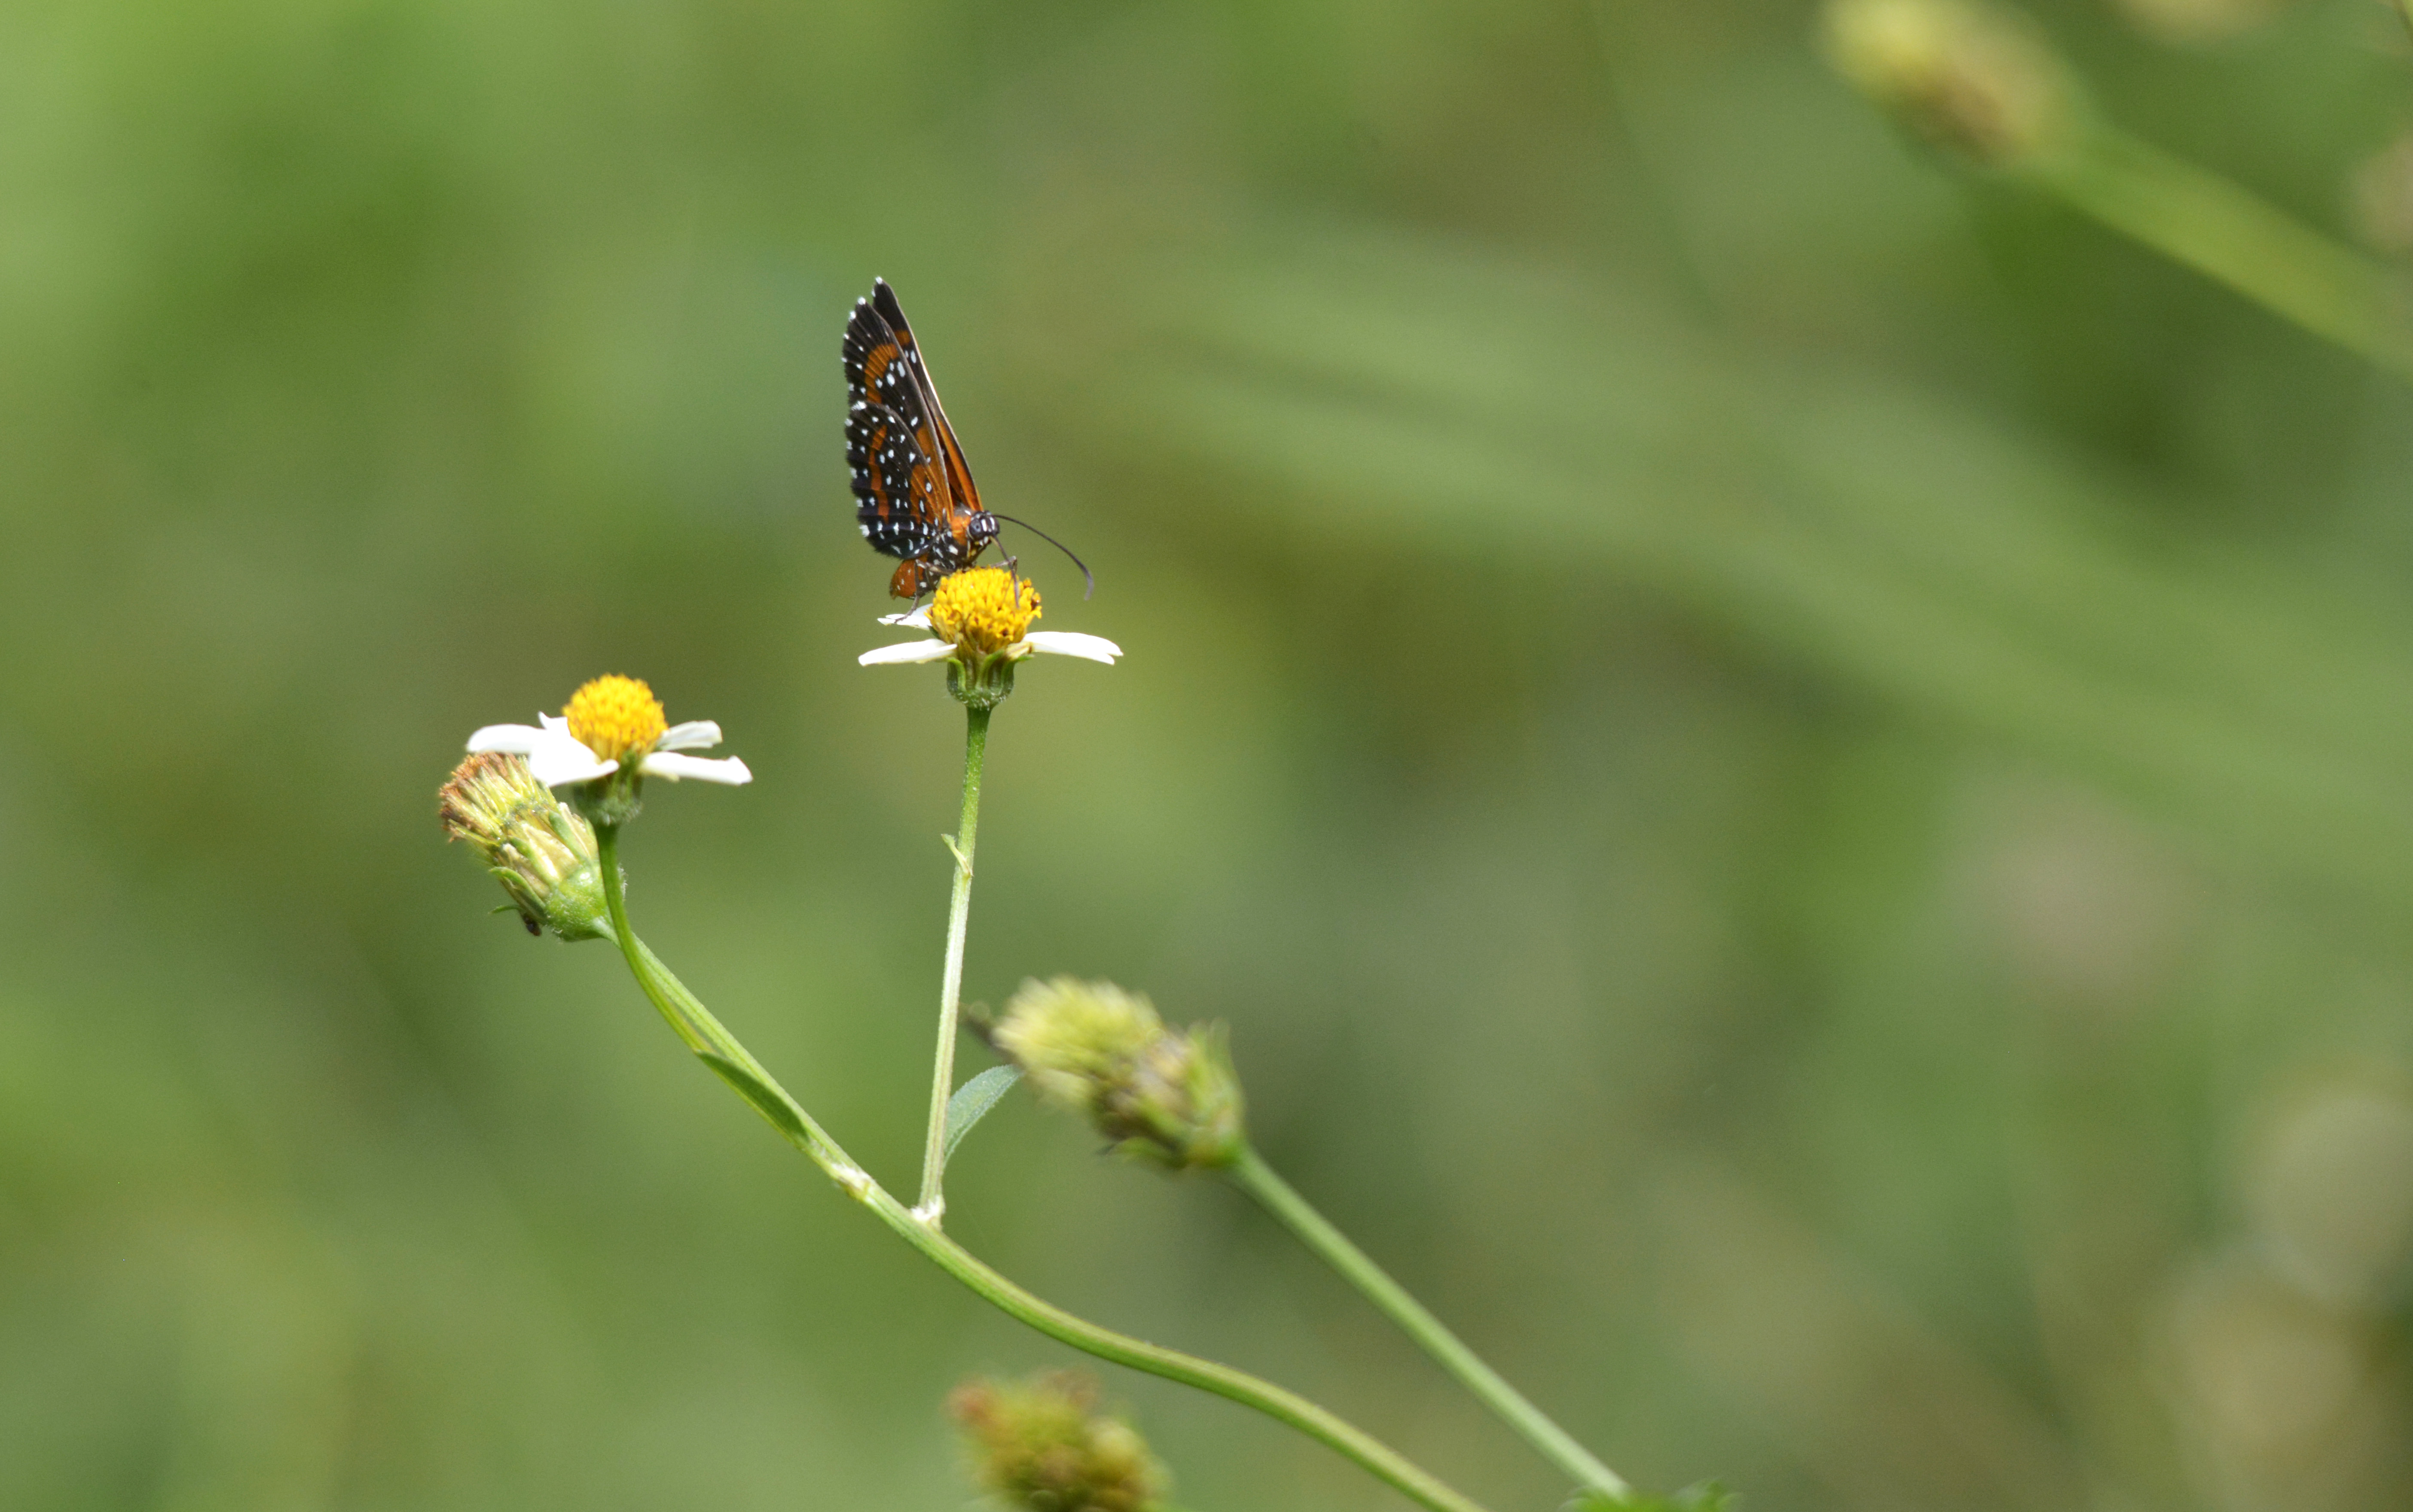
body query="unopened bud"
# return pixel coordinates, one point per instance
(541, 852)
(1967, 77)
(1042, 1444)
(1161, 1095)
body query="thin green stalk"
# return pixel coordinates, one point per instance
(1257, 1178)
(959, 907)
(720, 1050)
(2198, 218)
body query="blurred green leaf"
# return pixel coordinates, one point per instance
(1370, 391)
(1703, 1496)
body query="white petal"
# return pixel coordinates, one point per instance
(692, 735)
(567, 761)
(911, 651)
(554, 755)
(727, 771)
(557, 756)
(554, 722)
(1074, 643)
(919, 619)
(517, 740)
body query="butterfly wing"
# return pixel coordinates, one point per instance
(902, 500)
(965, 496)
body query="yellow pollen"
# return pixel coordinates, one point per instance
(615, 717)
(983, 610)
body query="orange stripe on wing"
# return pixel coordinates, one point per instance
(879, 442)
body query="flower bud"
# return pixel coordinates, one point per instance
(1042, 1444)
(1972, 79)
(1161, 1095)
(541, 852)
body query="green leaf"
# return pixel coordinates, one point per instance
(767, 1100)
(972, 1101)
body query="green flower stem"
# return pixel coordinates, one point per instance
(1257, 1178)
(719, 1050)
(959, 907)
(2198, 218)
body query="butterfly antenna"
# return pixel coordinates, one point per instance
(1088, 579)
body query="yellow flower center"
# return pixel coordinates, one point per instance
(983, 610)
(615, 717)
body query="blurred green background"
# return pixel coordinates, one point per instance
(1794, 771)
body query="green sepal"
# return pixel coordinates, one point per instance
(972, 1103)
(766, 1098)
(983, 685)
(612, 798)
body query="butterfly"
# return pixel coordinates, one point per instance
(913, 492)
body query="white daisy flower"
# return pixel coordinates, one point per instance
(610, 723)
(982, 616)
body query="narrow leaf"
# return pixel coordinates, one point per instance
(972, 1101)
(766, 1100)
